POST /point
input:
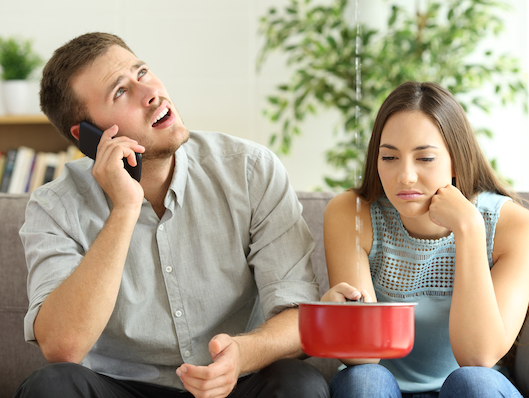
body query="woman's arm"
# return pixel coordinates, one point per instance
(348, 238)
(488, 306)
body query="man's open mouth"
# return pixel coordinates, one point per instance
(162, 117)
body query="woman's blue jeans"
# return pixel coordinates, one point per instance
(375, 381)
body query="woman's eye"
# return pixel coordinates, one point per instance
(388, 158)
(427, 159)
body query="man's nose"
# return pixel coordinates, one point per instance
(149, 96)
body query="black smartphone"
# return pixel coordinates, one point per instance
(89, 137)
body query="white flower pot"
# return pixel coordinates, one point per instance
(15, 96)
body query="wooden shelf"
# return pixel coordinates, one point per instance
(24, 119)
(34, 131)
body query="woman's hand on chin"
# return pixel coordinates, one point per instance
(451, 210)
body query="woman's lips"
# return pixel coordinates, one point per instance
(408, 195)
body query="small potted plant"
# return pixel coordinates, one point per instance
(17, 62)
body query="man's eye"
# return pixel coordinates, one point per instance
(142, 72)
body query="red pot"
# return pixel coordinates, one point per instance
(357, 330)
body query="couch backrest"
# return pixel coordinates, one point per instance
(17, 358)
(314, 204)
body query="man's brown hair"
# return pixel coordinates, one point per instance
(57, 98)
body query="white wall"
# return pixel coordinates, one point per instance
(205, 52)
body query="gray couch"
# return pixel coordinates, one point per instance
(18, 359)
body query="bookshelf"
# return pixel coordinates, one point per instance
(34, 131)
(32, 152)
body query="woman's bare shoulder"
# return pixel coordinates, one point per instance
(347, 203)
(514, 218)
(512, 229)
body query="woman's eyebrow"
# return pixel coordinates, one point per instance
(422, 147)
(419, 148)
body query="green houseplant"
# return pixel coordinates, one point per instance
(324, 47)
(17, 61)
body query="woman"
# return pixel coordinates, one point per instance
(431, 224)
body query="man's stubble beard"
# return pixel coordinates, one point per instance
(158, 153)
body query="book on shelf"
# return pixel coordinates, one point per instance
(23, 170)
(2, 165)
(8, 169)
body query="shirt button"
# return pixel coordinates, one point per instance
(168, 269)
(160, 228)
(187, 354)
(178, 313)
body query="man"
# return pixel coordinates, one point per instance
(185, 283)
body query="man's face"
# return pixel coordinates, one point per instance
(120, 89)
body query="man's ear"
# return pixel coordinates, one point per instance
(75, 131)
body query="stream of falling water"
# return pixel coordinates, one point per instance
(357, 137)
(358, 69)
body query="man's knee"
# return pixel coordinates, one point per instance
(293, 378)
(54, 379)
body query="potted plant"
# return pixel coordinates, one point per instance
(352, 68)
(17, 61)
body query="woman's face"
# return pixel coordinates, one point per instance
(413, 162)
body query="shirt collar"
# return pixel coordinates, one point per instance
(178, 183)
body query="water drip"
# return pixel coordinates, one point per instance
(358, 64)
(357, 137)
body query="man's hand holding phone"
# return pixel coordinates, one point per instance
(118, 182)
(89, 138)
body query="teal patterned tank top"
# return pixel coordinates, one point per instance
(408, 269)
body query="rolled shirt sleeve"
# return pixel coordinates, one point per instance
(281, 243)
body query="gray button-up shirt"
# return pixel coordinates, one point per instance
(231, 250)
